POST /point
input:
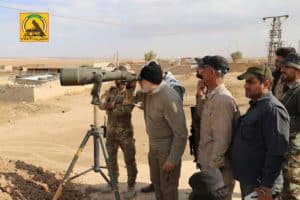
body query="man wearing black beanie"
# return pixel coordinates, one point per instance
(166, 128)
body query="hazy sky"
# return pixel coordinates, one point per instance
(172, 28)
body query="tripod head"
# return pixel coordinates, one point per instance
(96, 89)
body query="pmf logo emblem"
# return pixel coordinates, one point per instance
(34, 27)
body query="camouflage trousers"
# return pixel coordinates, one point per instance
(123, 138)
(291, 171)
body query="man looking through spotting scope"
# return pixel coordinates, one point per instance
(166, 129)
(171, 82)
(116, 101)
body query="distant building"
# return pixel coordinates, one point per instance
(39, 69)
(35, 79)
(104, 65)
(6, 68)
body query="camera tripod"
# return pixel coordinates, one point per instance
(98, 141)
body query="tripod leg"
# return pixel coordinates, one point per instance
(113, 181)
(97, 156)
(96, 153)
(71, 167)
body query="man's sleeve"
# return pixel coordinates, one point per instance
(125, 106)
(223, 115)
(174, 114)
(200, 102)
(276, 136)
(298, 102)
(295, 119)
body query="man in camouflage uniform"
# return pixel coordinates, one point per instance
(291, 99)
(117, 101)
(281, 54)
(277, 89)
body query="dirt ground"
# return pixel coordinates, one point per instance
(44, 136)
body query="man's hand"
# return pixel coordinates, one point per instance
(118, 99)
(110, 106)
(168, 166)
(264, 193)
(200, 89)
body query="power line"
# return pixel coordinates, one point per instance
(66, 17)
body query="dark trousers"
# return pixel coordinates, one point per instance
(247, 189)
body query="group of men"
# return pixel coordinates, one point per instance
(260, 149)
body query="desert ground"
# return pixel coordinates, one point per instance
(38, 141)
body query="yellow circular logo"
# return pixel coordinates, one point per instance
(34, 25)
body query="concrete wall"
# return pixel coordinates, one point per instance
(16, 93)
(53, 89)
(31, 93)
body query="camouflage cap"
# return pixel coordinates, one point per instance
(292, 60)
(260, 70)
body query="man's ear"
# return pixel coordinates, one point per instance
(212, 71)
(298, 74)
(267, 84)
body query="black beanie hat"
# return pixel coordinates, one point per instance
(152, 73)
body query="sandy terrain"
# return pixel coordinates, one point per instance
(47, 134)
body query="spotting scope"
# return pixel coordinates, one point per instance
(90, 75)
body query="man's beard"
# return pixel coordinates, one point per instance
(252, 95)
(286, 78)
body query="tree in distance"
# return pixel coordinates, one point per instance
(237, 55)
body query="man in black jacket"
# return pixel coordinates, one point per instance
(261, 138)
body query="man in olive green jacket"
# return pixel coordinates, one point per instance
(166, 128)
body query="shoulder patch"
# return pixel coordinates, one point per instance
(174, 107)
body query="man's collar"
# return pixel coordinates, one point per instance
(263, 97)
(212, 93)
(156, 90)
(293, 84)
(122, 91)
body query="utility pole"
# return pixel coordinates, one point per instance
(275, 37)
(117, 60)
